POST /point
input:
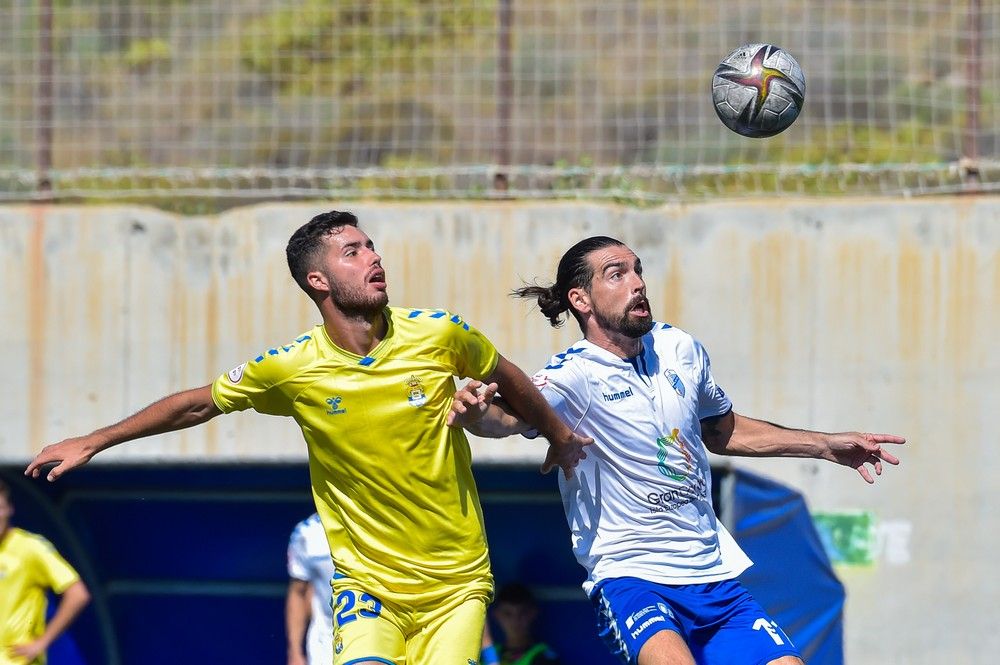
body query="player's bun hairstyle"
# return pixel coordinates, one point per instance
(309, 240)
(574, 272)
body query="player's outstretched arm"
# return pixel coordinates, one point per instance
(566, 447)
(178, 411)
(733, 434)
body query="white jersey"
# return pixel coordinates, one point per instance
(309, 560)
(640, 505)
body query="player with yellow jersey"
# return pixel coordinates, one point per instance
(371, 388)
(29, 568)
(376, 431)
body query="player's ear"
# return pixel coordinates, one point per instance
(317, 281)
(579, 300)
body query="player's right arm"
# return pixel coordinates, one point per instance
(178, 411)
(476, 408)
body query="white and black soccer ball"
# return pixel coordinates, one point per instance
(758, 90)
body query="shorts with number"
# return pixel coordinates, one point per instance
(389, 630)
(719, 621)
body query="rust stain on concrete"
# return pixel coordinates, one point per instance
(672, 290)
(37, 302)
(913, 302)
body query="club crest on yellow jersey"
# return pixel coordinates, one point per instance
(415, 392)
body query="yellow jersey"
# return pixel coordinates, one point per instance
(29, 567)
(392, 482)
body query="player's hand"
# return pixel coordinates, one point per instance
(860, 450)
(296, 657)
(66, 455)
(566, 454)
(28, 651)
(470, 403)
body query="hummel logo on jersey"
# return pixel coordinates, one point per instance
(334, 404)
(615, 397)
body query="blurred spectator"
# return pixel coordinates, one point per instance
(515, 610)
(29, 567)
(308, 602)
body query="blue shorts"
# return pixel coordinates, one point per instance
(719, 621)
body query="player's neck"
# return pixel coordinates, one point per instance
(622, 346)
(355, 333)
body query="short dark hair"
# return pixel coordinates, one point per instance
(516, 593)
(308, 240)
(574, 272)
(4, 490)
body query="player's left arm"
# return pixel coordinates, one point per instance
(71, 603)
(733, 434)
(566, 447)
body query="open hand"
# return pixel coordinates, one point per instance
(66, 455)
(858, 449)
(566, 454)
(468, 404)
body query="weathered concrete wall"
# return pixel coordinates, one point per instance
(829, 314)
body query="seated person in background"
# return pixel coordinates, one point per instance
(515, 610)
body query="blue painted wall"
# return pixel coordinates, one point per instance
(187, 563)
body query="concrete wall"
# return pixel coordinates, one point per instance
(874, 315)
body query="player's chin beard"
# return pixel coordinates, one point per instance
(358, 305)
(630, 326)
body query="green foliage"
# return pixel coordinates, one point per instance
(143, 54)
(344, 48)
(402, 173)
(845, 143)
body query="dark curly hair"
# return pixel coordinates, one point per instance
(308, 241)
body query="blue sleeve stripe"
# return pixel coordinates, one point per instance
(562, 356)
(437, 314)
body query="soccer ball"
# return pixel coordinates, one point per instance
(758, 90)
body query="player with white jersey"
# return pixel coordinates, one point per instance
(310, 571)
(660, 567)
(655, 518)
